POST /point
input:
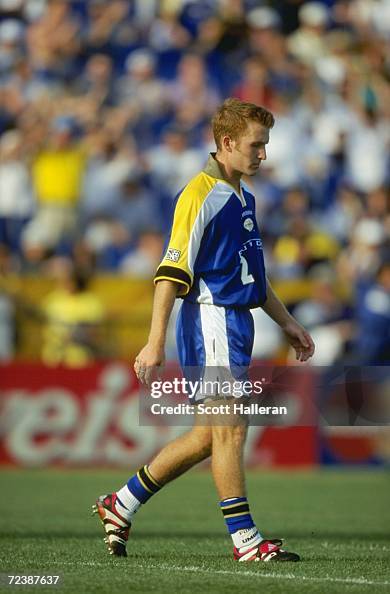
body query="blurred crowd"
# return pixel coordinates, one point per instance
(105, 113)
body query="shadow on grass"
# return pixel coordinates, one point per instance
(141, 535)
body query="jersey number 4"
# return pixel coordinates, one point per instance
(246, 278)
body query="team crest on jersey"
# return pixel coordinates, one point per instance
(173, 255)
(248, 224)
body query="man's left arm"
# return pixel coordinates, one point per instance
(296, 335)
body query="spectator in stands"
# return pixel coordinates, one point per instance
(371, 137)
(172, 163)
(224, 39)
(193, 84)
(143, 261)
(110, 29)
(327, 117)
(57, 177)
(96, 81)
(295, 203)
(11, 107)
(53, 41)
(378, 203)
(11, 46)
(284, 156)
(140, 86)
(166, 33)
(342, 216)
(372, 344)
(73, 316)
(145, 94)
(362, 257)
(263, 30)
(108, 166)
(113, 231)
(106, 242)
(254, 86)
(135, 207)
(308, 42)
(302, 247)
(327, 317)
(16, 198)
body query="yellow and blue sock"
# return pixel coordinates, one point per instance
(138, 490)
(239, 522)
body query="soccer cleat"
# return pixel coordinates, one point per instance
(267, 550)
(116, 528)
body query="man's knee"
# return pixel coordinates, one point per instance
(229, 434)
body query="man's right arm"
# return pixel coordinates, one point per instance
(152, 355)
(174, 276)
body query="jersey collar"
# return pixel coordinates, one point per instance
(213, 169)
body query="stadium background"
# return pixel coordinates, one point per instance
(104, 116)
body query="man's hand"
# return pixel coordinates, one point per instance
(299, 339)
(152, 355)
(147, 361)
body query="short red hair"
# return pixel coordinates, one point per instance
(231, 119)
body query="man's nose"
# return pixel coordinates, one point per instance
(262, 154)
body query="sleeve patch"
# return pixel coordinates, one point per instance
(173, 255)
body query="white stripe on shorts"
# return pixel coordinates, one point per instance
(213, 322)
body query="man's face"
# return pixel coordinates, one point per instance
(250, 149)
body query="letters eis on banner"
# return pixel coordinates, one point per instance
(91, 416)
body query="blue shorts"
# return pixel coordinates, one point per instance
(212, 336)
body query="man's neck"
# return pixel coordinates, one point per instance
(231, 176)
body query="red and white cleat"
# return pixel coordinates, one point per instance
(115, 526)
(267, 550)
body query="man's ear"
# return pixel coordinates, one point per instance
(227, 143)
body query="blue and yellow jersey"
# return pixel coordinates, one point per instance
(215, 250)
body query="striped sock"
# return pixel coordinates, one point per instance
(138, 490)
(239, 522)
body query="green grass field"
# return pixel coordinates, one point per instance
(339, 521)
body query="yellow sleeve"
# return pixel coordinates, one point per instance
(186, 234)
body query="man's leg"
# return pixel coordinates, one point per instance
(227, 463)
(174, 459)
(116, 510)
(227, 458)
(181, 454)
